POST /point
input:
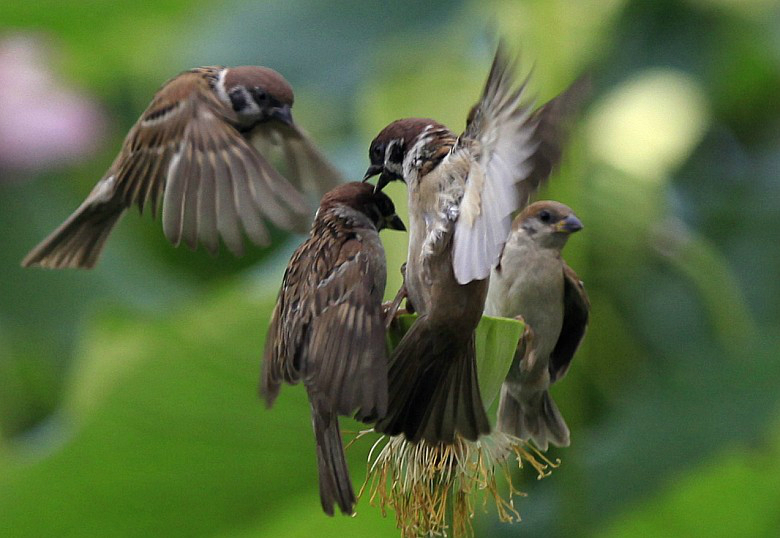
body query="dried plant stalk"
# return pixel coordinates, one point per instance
(433, 488)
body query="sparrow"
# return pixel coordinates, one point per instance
(327, 328)
(195, 148)
(462, 192)
(533, 281)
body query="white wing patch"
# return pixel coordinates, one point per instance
(164, 115)
(104, 190)
(500, 140)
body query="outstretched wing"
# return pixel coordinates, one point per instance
(327, 328)
(576, 307)
(304, 164)
(500, 133)
(552, 129)
(212, 181)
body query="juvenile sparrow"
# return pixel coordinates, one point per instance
(194, 147)
(328, 330)
(532, 281)
(462, 192)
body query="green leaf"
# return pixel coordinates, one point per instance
(162, 433)
(496, 342)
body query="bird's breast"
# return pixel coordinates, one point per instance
(529, 284)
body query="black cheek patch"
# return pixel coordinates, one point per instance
(238, 100)
(397, 153)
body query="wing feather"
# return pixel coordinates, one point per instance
(186, 150)
(227, 213)
(189, 218)
(305, 165)
(207, 203)
(516, 150)
(576, 307)
(328, 324)
(500, 133)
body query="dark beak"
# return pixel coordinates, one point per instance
(373, 170)
(394, 222)
(283, 114)
(569, 225)
(384, 178)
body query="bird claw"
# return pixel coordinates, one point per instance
(392, 309)
(526, 340)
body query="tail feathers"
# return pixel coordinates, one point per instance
(538, 419)
(78, 241)
(335, 484)
(434, 392)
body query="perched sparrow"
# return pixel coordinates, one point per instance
(327, 329)
(462, 193)
(194, 146)
(532, 281)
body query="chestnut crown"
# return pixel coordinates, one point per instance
(259, 94)
(548, 222)
(362, 197)
(387, 151)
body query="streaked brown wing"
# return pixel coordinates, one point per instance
(552, 130)
(304, 164)
(576, 307)
(213, 183)
(141, 167)
(327, 329)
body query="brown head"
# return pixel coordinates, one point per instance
(548, 223)
(258, 94)
(362, 197)
(388, 149)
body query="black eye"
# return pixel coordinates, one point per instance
(376, 152)
(260, 95)
(545, 216)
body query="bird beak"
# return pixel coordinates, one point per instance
(568, 225)
(385, 178)
(394, 222)
(283, 114)
(373, 170)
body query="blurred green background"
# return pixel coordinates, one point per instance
(128, 393)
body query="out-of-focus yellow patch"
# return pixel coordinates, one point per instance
(648, 125)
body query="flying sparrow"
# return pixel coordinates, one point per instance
(328, 330)
(195, 147)
(532, 281)
(462, 191)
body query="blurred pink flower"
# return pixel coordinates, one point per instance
(43, 122)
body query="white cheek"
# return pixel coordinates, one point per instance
(221, 93)
(251, 109)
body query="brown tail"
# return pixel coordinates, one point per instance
(434, 392)
(538, 419)
(335, 484)
(78, 241)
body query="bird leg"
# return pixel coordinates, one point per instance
(392, 309)
(526, 340)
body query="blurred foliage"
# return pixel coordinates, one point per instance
(128, 393)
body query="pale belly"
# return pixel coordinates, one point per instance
(534, 295)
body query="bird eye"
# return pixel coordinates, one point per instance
(545, 216)
(260, 95)
(376, 152)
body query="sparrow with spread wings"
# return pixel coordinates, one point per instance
(533, 281)
(462, 192)
(327, 329)
(195, 148)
